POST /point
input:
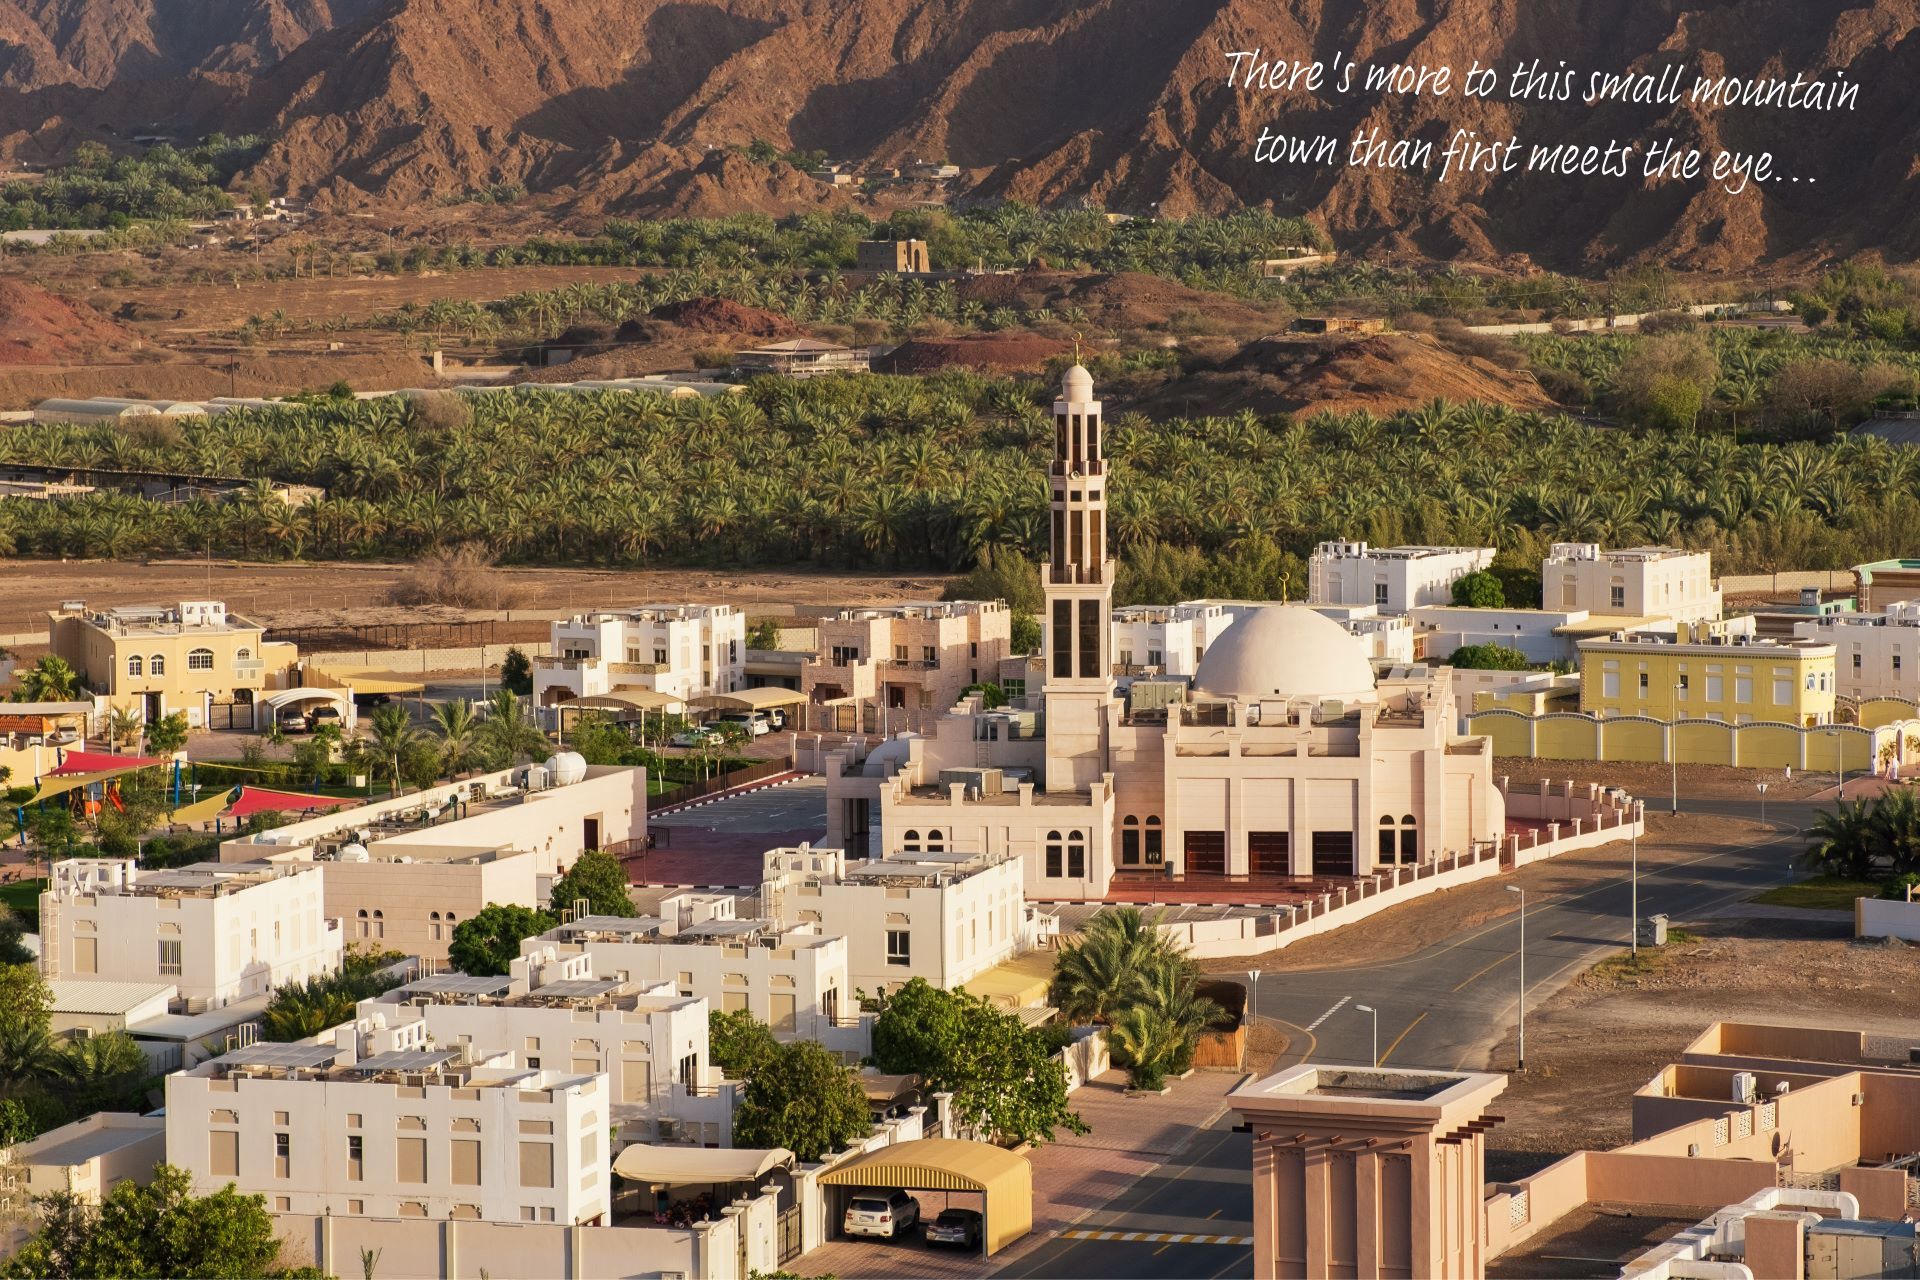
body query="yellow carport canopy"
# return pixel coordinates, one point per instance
(1016, 983)
(950, 1164)
(765, 699)
(634, 699)
(683, 1166)
(363, 683)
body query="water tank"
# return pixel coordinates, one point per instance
(567, 768)
(537, 777)
(354, 853)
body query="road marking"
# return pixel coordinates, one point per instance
(1337, 1005)
(1182, 1239)
(1496, 963)
(1156, 1237)
(1397, 1039)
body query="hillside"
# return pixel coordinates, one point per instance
(629, 106)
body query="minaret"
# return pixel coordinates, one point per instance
(1079, 588)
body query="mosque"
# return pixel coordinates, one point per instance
(1289, 755)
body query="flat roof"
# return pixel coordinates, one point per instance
(460, 984)
(404, 1060)
(576, 989)
(91, 1140)
(293, 1057)
(197, 1026)
(82, 995)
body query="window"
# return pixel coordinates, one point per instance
(899, 653)
(1715, 688)
(356, 1158)
(465, 1167)
(899, 946)
(1386, 840)
(1093, 626)
(433, 925)
(157, 664)
(282, 1154)
(1409, 839)
(930, 655)
(910, 842)
(412, 1153)
(1156, 848)
(1643, 684)
(200, 660)
(1380, 594)
(1610, 684)
(936, 842)
(1743, 688)
(1617, 597)
(360, 922)
(379, 925)
(1896, 664)
(135, 665)
(1856, 664)
(1681, 689)
(1062, 639)
(1014, 689)
(223, 1153)
(170, 955)
(1056, 853)
(1076, 855)
(844, 655)
(1782, 692)
(242, 654)
(1130, 842)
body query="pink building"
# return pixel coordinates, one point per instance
(897, 668)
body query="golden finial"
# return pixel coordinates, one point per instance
(1076, 346)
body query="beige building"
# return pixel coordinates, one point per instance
(377, 1125)
(1287, 757)
(1368, 1172)
(680, 651)
(219, 933)
(86, 1158)
(190, 657)
(904, 257)
(1877, 655)
(915, 658)
(800, 358)
(1639, 582)
(403, 872)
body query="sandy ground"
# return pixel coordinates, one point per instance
(1412, 926)
(1653, 782)
(310, 594)
(1608, 1032)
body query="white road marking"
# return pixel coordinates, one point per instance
(1338, 1004)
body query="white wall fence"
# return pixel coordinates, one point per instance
(1886, 918)
(1600, 324)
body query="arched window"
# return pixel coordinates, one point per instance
(1409, 839)
(360, 922)
(433, 925)
(157, 664)
(241, 655)
(379, 925)
(199, 659)
(1130, 841)
(1056, 854)
(135, 665)
(936, 842)
(910, 842)
(1386, 839)
(1156, 850)
(1076, 856)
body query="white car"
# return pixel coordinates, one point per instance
(754, 722)
(693, 738)
(888, 1214)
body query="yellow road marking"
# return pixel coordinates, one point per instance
(1402, 1036)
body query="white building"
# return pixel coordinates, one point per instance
(926, 913)
(1167, 639)
(217, 932)
(1394, 579)
(403, 872)
(552, 1013)
(1543, 636)
(794, 980)
(1385, 638)
(681, 651)
(1638, 582)
(1877, 655)
(378, 1125)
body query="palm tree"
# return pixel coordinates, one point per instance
(124, 727)
(393, 737)
(1841, 841)
(1150, 1041)
(50, 679)
(29, 1057)
(1107, 969)
(459, 732)
(508, 731)
(105, 1072)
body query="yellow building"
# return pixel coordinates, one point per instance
(192, 657)
(1699, 676)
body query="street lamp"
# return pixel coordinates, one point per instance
(1514, 888)
(1367, 1008)
(1673, 744)
(1840, 759)
(1253, 1010)
(1634, 912)
(1761, 787)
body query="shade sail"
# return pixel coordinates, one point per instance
(254, 800)
(103, 762)
(684, 1166)
(55, 786)
(205, 809)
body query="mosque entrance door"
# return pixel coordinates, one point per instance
(1333, 853)
(1206, 853)
(1267, 852)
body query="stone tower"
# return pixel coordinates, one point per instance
(1079, 589)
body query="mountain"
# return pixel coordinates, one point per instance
(631, 106)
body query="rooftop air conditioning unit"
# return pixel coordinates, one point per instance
(1746, 1089)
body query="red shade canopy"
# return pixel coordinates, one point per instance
(103, 762)
(261, 800)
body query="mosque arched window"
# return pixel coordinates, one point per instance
(1076, 855)
(1156, 849)
(1056, 854)
(910, 842)
(1130, 841)
(936, 842)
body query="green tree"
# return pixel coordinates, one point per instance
(12, 930)
(1025, 636)
(1003, 1076)
(394, 739)
(1107, 966)
(167, 735)
(160, 1229)
(459, 732)
(801, 1098)
(739, 1043)
(598, 877)
(1489, 657)
(1841, 841)
(485, 943)
(516, 673)
(765, 634)
(508, 733)
(25, 998)
(50, 679)
(108, 1072)
(1479, 590)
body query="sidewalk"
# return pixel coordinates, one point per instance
(1073, 1177)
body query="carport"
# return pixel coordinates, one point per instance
(764, 699)
(304, 696)
(1003, 1180)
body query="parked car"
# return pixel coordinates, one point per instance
(693, 738)
(956, 1226)
(323, 715)
(881, 1213)
(754, 722)
(291, 720)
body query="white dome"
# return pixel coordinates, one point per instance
(1286, 653)
(1077, 384)
(566, 768)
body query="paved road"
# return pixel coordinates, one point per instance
(1445, 1007)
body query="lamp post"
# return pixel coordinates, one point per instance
(1367, 1008)
(1761, 787)
(1514, 888)
(1840, 759)
(1253, 1009)
(1673, 744)
(1634, 910)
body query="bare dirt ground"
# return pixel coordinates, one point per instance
(1609, 1031)
(1412, 926)
(353, 594)
(1653, 782)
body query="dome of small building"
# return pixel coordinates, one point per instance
(1077, 384)
(1286, 653)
